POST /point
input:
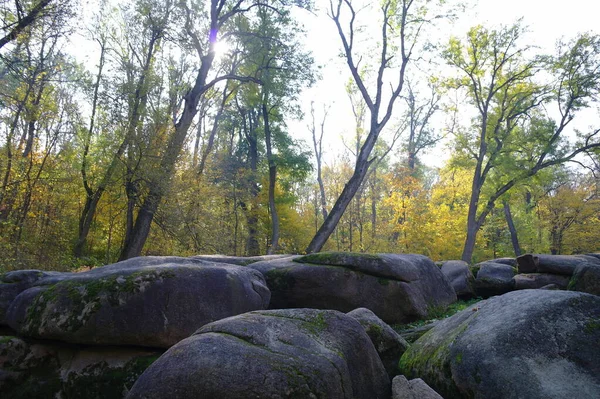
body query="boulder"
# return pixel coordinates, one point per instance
(460, 277)
(238, 260)
(153, 302)
(397, 288)
(389, 344)
(525, 344)
(494, 279)
(539, 280)
(35, 369)
(292, 353)
(586, 278)
(553, 264)
(413, 389)
(414, 333)
(15, 282)
(506, 261)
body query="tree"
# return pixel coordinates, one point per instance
(395, 20)
(22, 20)
(513, 138)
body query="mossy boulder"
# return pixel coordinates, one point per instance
(153, 302)
(15, 282)
(525, 344)
(35, 369)
(389, 344)
(397, 288)
(586, 278)
(238, 260)
(293, 353)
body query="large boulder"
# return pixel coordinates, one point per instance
(553, 264)
(389, 344)
(586, 278)
(238, 260)
(152, 302)
(413, 389)
(525, 344)
(293, 353)
(494, 279)
(539, 280)
(35, 369)
(15, 282)
(397, 288)
(461, 278)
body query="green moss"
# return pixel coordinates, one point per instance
(6, 339)
(458, 358)
(383, 281)
(102, 381)
(279, 279)
(572, 283)
(83, 298)
(592, 326)
(334, 258)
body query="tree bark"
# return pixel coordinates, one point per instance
(511, 227)
(272, 181)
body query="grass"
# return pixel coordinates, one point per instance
(436, 314)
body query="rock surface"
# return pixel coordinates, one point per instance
(295, 353)
(413, 389)
(397, 288)
(32, 369)
(539, 280)
(389, 344)
(460, 277)
(150, 301)
(525, 344)
(586, 278)
(238, 260)
(494, 279)
(553, 264)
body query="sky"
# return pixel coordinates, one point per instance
(547, 20)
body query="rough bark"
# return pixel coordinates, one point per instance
(272, 181)
(513, 230)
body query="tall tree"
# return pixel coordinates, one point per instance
(398, 28)
(513, 139)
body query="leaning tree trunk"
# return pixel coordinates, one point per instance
(511, 227)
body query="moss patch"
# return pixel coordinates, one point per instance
(69, 304)
(335, 258)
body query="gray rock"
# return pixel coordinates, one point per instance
(527, 263)
(586, 278)
(539, 280)
(295, 353)
(389, 344)
(397, 288)
(494, 279)
(412, 334)
(238, 260)
(152, 302)
(15, 282)
(460, 277)
(506, 261)
(525, 344)
(550, 287)
(553, 264)
(413, 389)
(35, 369)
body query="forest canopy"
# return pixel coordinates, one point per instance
(185, 127)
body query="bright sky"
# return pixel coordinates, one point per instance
(548, 21)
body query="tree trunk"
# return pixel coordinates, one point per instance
(511, 227)
(272, 180)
